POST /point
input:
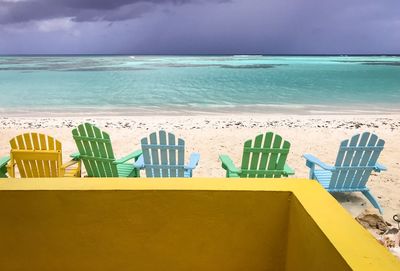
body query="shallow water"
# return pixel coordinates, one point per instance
(201, 83)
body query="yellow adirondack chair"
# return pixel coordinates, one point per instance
(39, 155)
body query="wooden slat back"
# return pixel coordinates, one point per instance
(265, 155)
(36, 155)
(172, 154)
(281, 159)
(369, 159)
(255, 158)
(163, 153)
(95, 151)
(265, 158)
(162, 158)
(246, 158)
(181, 158)
(355, 161)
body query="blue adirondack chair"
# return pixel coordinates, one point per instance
(163, 157)
(356, 159)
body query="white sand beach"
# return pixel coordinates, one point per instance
(211, 135)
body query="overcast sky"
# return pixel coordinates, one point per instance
(200, 26)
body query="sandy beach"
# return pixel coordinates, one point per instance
(214, 134)
(211, 135)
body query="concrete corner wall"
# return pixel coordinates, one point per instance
(180, 224)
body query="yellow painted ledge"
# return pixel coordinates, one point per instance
(314, 231)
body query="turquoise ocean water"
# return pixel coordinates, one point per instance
(199, 83)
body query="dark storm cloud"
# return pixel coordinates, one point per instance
(200, 26)
(78, 10)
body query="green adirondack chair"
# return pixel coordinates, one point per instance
(265, 157)
(97, 155)
(3, 166)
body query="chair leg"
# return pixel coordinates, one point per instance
(135, 173)
(3, 172)
(312, 168)
(373, 200)
(187, 173)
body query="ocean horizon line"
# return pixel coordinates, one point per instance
(199, 54)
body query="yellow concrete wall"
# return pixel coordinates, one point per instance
(308, 248)
(142, 230)
(358, 248)
(179, 224)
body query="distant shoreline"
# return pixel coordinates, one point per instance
(233, 54)
(285, 110)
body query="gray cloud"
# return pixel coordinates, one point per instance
(79, 10)
(201, 27)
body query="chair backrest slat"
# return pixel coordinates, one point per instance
(52, 144)
(43, 145)
(20, 144)
(273, 159)
(355, 161)
(146, 156)
(162, 158)
(246, 157)
(32, 171)
(39, 169)
(348, 156)
(356, 165)
(96, 151)
(181, 158)
(102, 142)
(172, 154)
(265, 158)
(267, 144)
(94, 146)
(154, 155)
(370, 158)
(84, 149)
(255, 156)
(36, 155)
(163, 153)
(281, 160)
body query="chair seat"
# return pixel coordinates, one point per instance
(323, 177)
(74, 172)
(126, 170)
(186, 174)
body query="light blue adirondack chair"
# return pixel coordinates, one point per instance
(163, 157)
(356, 159)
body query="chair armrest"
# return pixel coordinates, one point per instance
(193, 161)
(70, 163)
(288, 170)
(312, 160)
(75, 156)
(4, 160)
(134, 155)
(228, 164)
(139, 164)
(379, 167)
